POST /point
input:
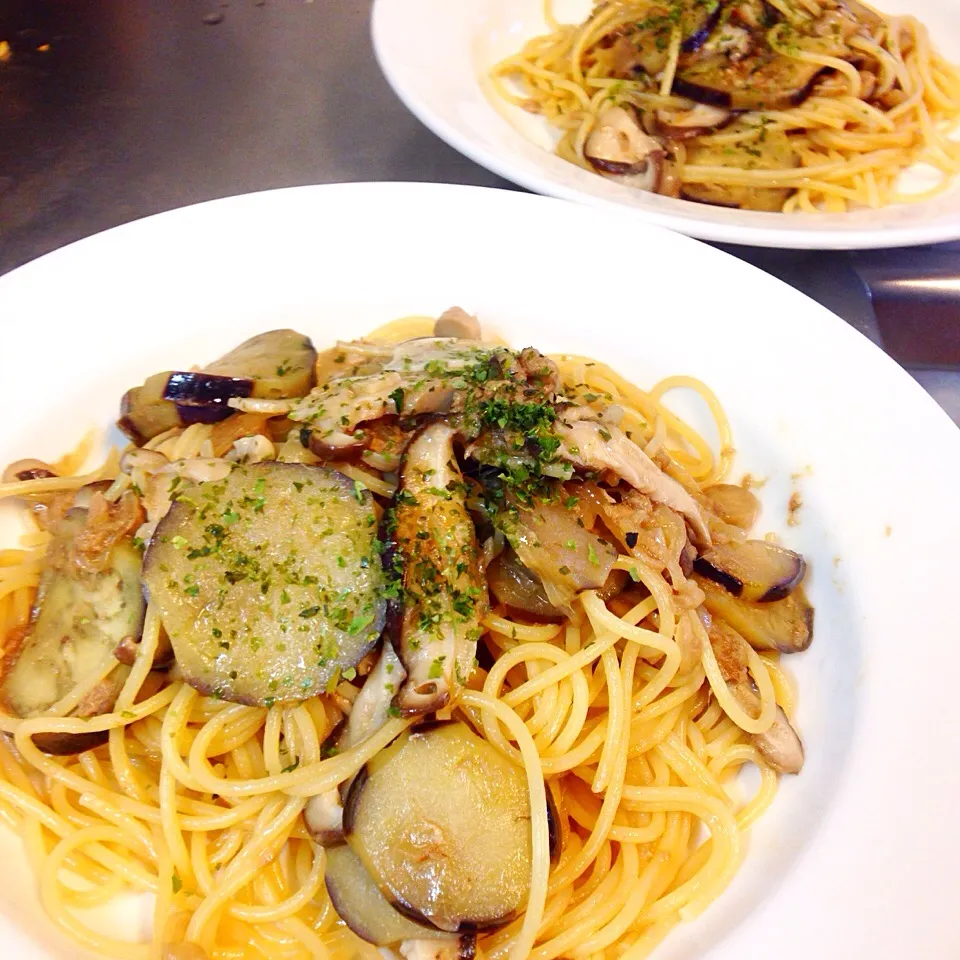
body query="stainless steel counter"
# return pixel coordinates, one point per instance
(114, 109)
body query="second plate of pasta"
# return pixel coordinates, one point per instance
(795, 123)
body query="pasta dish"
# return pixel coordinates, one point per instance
(418, 646)
(769, 105)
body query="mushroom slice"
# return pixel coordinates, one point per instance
(89, 601)
(693, 121)
(444, 593)
(780, 745)
(463, 947)
(753, 569)
(371, 709)
(441, 820)
(323, 817)
(457, 323)
(268, 581)
(618, 149)
(785, 625)
(593, 445)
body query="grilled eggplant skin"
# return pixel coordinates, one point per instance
(269, 582)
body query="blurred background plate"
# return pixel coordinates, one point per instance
(437, 54)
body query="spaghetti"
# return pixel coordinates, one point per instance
(619, 711)
(791, 105)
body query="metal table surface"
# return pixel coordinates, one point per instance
(111, 110)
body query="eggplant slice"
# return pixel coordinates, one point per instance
(364, 909)
(273, 365)
(441, 820)
(753, 569)
(269, 582)
(765, 81)
(771, 152)
(88, 603)
(279, 363)
(444, 593)
(785, 625)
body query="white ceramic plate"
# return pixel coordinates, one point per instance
(436, 55)
(857, 857)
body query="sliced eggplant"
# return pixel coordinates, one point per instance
(444, 593)
(268, 581)
(551, 541)
(280, 363)
(753, 569)
(698, 22)
(441, 821)
(88, 602)
(733, 504)
(518, 587)
(785, 625)
(144, 414)
(200, 389)
(771, 152)
(364, 909)
(767, 80)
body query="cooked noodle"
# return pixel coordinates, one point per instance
(890, 102)
(199, 802)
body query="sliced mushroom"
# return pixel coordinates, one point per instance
(323, 817)
(457, 323)
(597, 446)
(371, 709)
(618, 149)
(753, 569)
(444, 593)
(253, 449)
(780, 745)
(421, 377)
(268, 582)
(463, 947)
(695, 121)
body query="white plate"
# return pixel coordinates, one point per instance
(436, 55)
(857, 857)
